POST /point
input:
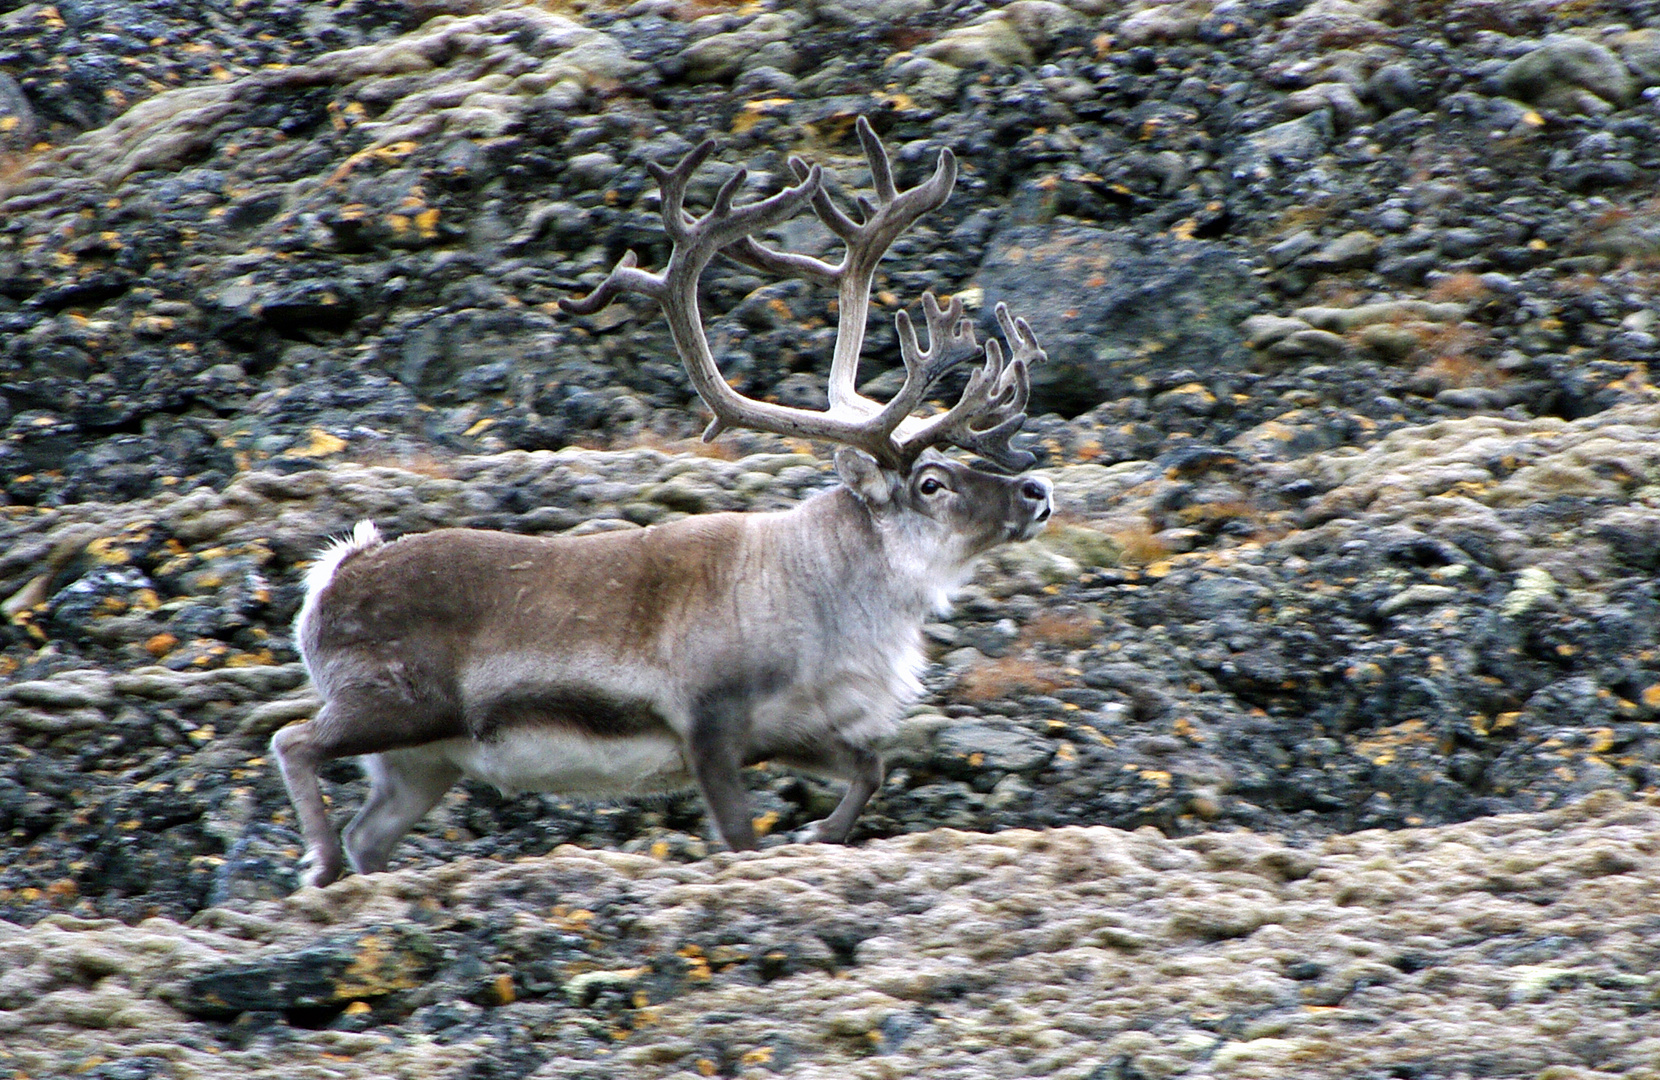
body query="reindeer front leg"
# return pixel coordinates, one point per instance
(716, 749)
(862, 768)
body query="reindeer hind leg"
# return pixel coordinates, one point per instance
(403, 786)
(300, 750)
(351, 724)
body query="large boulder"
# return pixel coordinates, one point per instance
(1114, 308)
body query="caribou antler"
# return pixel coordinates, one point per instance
(992, 406)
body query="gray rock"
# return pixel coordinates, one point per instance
(995, 43)
(1417, 595)
(1260, 331)
(1306, 343)
(1344, 319)
(856, 12)
(973, 749)
(71, 690)
(1103, 295)
(1289, 145)
(1562, 64)
(18, 126)
(1640, 49)
(1177, 21)
(931, 81)
(1337, 97)
(1293, 247)
(591, 170)
(330, 973)
(762, 43)
(1395, 86)
(1352, 250)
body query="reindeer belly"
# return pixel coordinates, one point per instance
(563, 761)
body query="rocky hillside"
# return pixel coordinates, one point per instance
(1350, 308)
(1520, 945)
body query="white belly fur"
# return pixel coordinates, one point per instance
(567, 762)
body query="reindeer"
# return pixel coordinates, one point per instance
(675, 655)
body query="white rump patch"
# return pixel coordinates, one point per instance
(317, 577)
(364, 536)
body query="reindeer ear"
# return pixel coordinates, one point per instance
(863, 476)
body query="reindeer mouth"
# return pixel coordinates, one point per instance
(1029, 529)
(1040, 505)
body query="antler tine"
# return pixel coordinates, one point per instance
(866, 242)
(951, 340)
(1023, 344)
(894, 212)
(671, 186)
(992, 406)
(899, 209)
(752, 252)
(883, 222)
(996, 395)
(696, 239)
(881, 167)
(725, 225)
(827, 210)
(1004, 405)
(677, 224)
(624, 277)
(722, 225)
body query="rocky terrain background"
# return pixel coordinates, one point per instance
(1319, 735)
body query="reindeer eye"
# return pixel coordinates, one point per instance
(929, 486)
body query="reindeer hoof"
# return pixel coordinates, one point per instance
(816, 833)
(321, 870)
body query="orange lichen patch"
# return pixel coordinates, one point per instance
(1462, 286)
(1074, 630)
(719, 450)
(1452, 356)
(161, 644)
(423, 464)
(1216, 513)
(390, 153)
(502, 989)
(1383, 746)
(319, 443)
(1141, 545)
(1009, 675)
(753, 112)
(1460, 370)
(14, 166)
